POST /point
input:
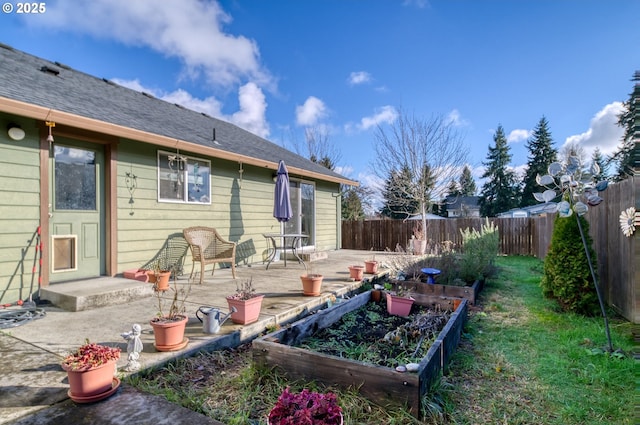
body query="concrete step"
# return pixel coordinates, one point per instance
(92, 293)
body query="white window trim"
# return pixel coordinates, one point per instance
(185, 194)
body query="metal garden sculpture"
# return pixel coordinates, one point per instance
(579, 191)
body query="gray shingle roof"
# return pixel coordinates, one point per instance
(52, 85)
(458, 202)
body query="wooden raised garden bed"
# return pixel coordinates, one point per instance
(469, 293)
(383, 385)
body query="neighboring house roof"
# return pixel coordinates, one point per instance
(428, 216)
(468, 201)
(51, 91)
(531, 210)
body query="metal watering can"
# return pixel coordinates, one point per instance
(211, 320)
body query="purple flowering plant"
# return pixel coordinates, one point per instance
(306, 408)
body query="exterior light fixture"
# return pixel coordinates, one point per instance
(15, 132)
(50, 124)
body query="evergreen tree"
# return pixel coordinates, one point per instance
(500, 190)
(603, 164)
(453, 190)
(567, 276)
(398, 201)
(467, 183)
(352, 205)
(628, 119)
(541, 154)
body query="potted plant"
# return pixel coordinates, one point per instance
(399, 301)
(159, 277)
(371, 266)
(169, 324)
(311, 283)
(246, 302)
(306, 408)
(419, 241)
(90, 371)
(356, 272)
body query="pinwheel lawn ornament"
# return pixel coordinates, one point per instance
(578, 191)
(629, 219)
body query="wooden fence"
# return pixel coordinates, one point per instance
(518, 236)
(618, 257)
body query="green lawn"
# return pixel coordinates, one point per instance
(523, 362)
(520, 362)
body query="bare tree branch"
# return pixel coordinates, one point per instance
(428, 152)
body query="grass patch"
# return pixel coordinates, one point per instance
(520, 361)
(527, 363)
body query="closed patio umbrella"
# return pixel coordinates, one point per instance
(282, 202)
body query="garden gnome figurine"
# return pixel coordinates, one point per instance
(134, 347)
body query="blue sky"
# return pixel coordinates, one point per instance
(345, 66)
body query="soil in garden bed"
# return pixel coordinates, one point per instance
(370, 334)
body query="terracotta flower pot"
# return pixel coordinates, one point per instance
(356, 272)
(371, 267)
(399, 306)
(456, 303)
(92, 382)
(376, 295)
(247, 311)
(169, 334)
(160, 280)
(419, 246)
(311, 284)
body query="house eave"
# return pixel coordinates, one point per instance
(40, 113)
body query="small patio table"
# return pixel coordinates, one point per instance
(278, 241)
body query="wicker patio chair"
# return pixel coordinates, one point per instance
(208, 247)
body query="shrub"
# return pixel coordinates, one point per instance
(479, 250)
(567, 277)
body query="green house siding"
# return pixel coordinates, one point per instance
(19, 213)
(241, 209)
(327, 213)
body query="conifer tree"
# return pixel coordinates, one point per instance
(453, 190)
(541, 154)
(398, 202)
(467, 183)
(603, 164)
(626, 156)
(499, 192)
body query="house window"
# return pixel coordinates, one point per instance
(183, 179)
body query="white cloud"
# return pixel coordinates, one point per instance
(387, 114)
(603, 131)
(253, 106)
(210, 105)
(190, 30)
(311, 111)
(456, 119)
(251, 116)
(360, 77)
(344, 170)
(518, 135)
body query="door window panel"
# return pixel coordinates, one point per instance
(303, 205)
(75, 178)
